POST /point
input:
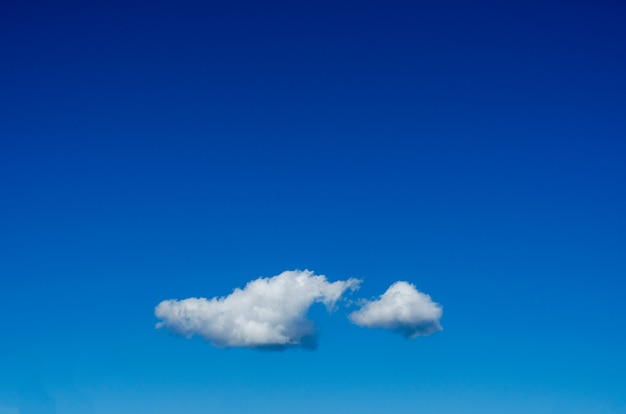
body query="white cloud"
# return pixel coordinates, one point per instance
(267, 313)
(403, 309)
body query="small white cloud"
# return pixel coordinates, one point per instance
(403, 309)
(268, 313)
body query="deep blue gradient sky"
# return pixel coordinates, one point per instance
(157, 150)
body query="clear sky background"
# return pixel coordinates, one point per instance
(158, 150)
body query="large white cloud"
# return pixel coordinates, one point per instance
(403, 309)
(267, 313)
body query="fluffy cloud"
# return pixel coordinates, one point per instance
(403, 309)
(267, 313)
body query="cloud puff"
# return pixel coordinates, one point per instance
(268, 313)
(403, 309)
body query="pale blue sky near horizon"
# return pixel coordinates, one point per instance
(152, 151)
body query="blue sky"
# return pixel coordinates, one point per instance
(153, 151)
